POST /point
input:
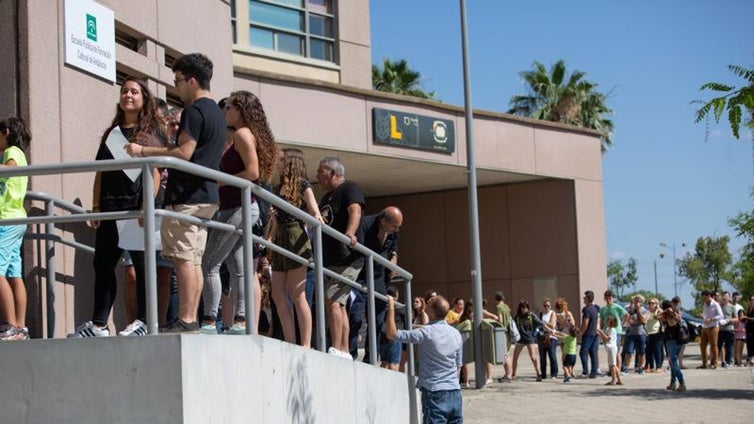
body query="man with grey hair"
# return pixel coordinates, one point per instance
(636, 334)
(342, 207)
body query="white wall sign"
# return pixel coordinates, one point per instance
(90, 37)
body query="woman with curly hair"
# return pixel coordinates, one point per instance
(252, 156)
(135, 122)
(289, 276)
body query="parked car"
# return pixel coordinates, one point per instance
(694, 325)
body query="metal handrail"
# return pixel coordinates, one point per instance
(149, 213)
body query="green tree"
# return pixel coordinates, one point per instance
(709, 265)
(397, 77)
(570, 99)
(646, 293)
(621, 276)
(738, 102)
(743, 223)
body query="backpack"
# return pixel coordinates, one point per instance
(264, 211)
(513, 331)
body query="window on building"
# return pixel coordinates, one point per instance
(298, 27)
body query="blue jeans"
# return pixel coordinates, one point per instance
(675, 370)
(442, 406)
(589, 347)
(224, 246)
(356, 316)
(552, 353)
(725, 341)
(654, 351)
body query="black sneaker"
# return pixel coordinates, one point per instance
(180, 326)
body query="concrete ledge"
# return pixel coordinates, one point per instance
(194, 379)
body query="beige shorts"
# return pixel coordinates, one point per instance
(184, 240)
(338, 291)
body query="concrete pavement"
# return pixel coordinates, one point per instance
(713, 396)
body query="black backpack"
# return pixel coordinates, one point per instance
(264, 211)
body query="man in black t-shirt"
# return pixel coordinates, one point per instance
(381, 235)
(590, 342)
(342, 207)
(201, 137)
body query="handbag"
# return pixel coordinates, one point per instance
(543, 338)
(513, 331)
(684, 335)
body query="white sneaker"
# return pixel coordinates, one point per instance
(339, 353)
(135, 329)
(88, 329)
(208, 329)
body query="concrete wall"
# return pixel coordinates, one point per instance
(194, 379)
(532, 240)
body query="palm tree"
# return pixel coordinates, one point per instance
(736, 101)
(396, 77)
(570, 99)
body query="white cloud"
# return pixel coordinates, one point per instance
(617, 256)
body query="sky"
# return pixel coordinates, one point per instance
(666, 179)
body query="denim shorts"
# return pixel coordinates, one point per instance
(11, 238)
(635, 343)
(390, 352)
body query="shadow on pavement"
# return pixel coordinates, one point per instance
(660, 394)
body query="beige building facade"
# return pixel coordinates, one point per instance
(542, 223)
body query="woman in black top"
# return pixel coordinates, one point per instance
(528, 324)
(673, 343)
(135, 122)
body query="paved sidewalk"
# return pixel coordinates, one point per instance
(713, 396)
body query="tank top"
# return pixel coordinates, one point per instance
(231, 163)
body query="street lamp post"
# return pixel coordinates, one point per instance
(656, 291)
(675, 265)
(476, 262)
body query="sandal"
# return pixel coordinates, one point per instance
(609, 383)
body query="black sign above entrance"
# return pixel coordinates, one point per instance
(413, 131)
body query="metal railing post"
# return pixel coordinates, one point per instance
(51, 271)
(150, 258)
(248, 262)
(409, 325)
(319, 288)
(371, 321)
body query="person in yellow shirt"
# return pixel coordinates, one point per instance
(454, 314)
(14, 140)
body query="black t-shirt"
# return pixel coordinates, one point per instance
(204, 122)
(117, 191)
(370, 227)
(334, 208)
(592, 312)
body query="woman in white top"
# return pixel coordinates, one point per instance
(655, 353)
(548, 343)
